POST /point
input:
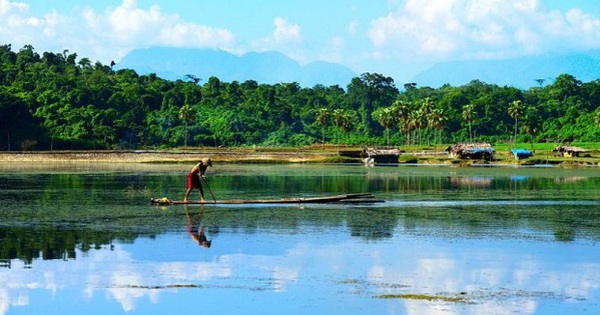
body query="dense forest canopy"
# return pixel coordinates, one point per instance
(57, 101)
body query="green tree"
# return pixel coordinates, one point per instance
(437, 121)
(515, 110)
(14, 116)
(427, 108)
(386, 118)
(468, 114)
(187, 114)
(367, 93)
(415, 124)
(401, 110)
(323, 118)
(344, 121)
(531, 123)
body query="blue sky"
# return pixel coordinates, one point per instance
(394, 37)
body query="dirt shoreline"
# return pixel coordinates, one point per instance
(162, 157)
(266, 156)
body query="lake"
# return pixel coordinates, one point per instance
(447, 240)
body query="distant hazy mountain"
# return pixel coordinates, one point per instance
(265, 67)
(521, 73)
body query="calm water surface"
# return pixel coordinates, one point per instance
(488, 240)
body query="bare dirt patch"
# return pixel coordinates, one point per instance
(233, 156)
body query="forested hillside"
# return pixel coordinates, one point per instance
(60, 101)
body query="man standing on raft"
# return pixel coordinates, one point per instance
(193, 179)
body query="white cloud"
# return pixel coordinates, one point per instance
(286, 38)
(105, 35)
(7, 6)
(286, 32)
(186, 34)
(461, 29)
(130, 27)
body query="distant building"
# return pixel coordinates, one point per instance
(373, 155)
(569, 151)
(521, 153)
(471, 150)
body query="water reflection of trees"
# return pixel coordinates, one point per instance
(484, 186)
(52, 220)
(31, 243)
(373, 225)
(55, 241)
(293, 185)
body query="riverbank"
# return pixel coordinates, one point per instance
(315, 154)
(187, 156)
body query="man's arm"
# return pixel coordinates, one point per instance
(202, 170)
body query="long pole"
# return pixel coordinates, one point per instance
(210, 190)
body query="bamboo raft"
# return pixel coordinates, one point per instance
(348, 198)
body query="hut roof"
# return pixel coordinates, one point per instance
(470, 147)
(568, 148)
(374, 151)
(521, 153)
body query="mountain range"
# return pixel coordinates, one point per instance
(524, 72)
(274, 67)
(264, 67)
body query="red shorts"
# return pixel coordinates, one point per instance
(193, 181)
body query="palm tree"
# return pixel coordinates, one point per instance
(348, 125)
(401, 110)
(415, 123)
(343, 120)
(427, 108)
(323, 118)
(385, 117)
(437, 120)
(468, 115)
(515, 110)
(187, 114)
(338, 120)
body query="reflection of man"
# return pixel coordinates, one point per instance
(195, 230)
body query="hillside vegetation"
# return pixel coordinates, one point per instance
(52, 101)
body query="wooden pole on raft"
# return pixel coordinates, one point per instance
(210, 190)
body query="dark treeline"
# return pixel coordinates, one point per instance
(57, 101)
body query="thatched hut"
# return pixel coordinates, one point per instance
(569, 151)
(384, 155)
(471, 150)
(374, 155)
